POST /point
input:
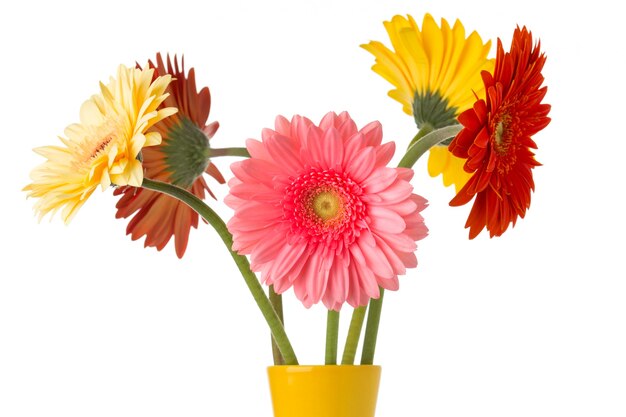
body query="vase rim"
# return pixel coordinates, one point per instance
(323, 366)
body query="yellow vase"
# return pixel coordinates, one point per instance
(324, 391)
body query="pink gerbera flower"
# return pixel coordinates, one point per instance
(317, 208)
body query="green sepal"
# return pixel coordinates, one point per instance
(432, 109)
(186, 153)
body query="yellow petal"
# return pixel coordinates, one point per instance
(90, 113)
(136, 174)
(137, 143)
(433, 59)
(153, 139)
(96, 151)
(442, 162)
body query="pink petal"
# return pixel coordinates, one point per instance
(257, 150)
(232, 201)
(351, 148)
(416, 230)
(318, 281)
(311, 153)
(397, 192)
(328, 121)
(346, 126)
(299, 128)
(408, 258)
(286, 259)
(246, 240)
(312, 281)
(356, 296)
(421, 202)
(405, 174)
(396, 263)
(299, 288)
(282, 126)
(257, 192)
(254, 216)
(390, 284)
(398, 242)
(280, 284)
(383, 219)
(239, 172)
(366, 278)
(373, 133)
(362, 164)
(404, 208)
(268, 133)
(375, 259)
(266, 250)
(368, 282)
(338, 284)
(283, 154)
(367, 238)
(332, 147)
(380, 179)
(257, 170)
(384, 154)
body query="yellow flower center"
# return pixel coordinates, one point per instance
(326, 205)
(502, 134)
(499, 131)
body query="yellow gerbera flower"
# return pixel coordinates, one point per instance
(104, 148)
(436, 72)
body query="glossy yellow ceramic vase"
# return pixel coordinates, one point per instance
(324, 391)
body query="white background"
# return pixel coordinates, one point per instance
(93, 324)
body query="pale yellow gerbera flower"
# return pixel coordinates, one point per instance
(436, 72)
(104, 148)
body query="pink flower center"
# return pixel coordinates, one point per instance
(324, 206)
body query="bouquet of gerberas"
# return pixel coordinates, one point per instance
(316, 208)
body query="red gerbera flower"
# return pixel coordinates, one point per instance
(496, 138)
(180, 159)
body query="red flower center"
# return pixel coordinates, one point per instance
(324, 206)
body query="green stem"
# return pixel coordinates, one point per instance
(272, 319)
(354, 333)
(425, 142)
(332, 337)
(213, 152)
(423, 131)
(425, 139)
(277, 302)
(371, 330)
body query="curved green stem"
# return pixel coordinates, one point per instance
(332, 337)
(213, 152)
(277, 302)
(354, 333)
(425, 142)
(272, 319)
(425, 139)
(423, 131)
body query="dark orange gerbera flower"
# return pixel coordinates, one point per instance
(496, 138)
(180, 159)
